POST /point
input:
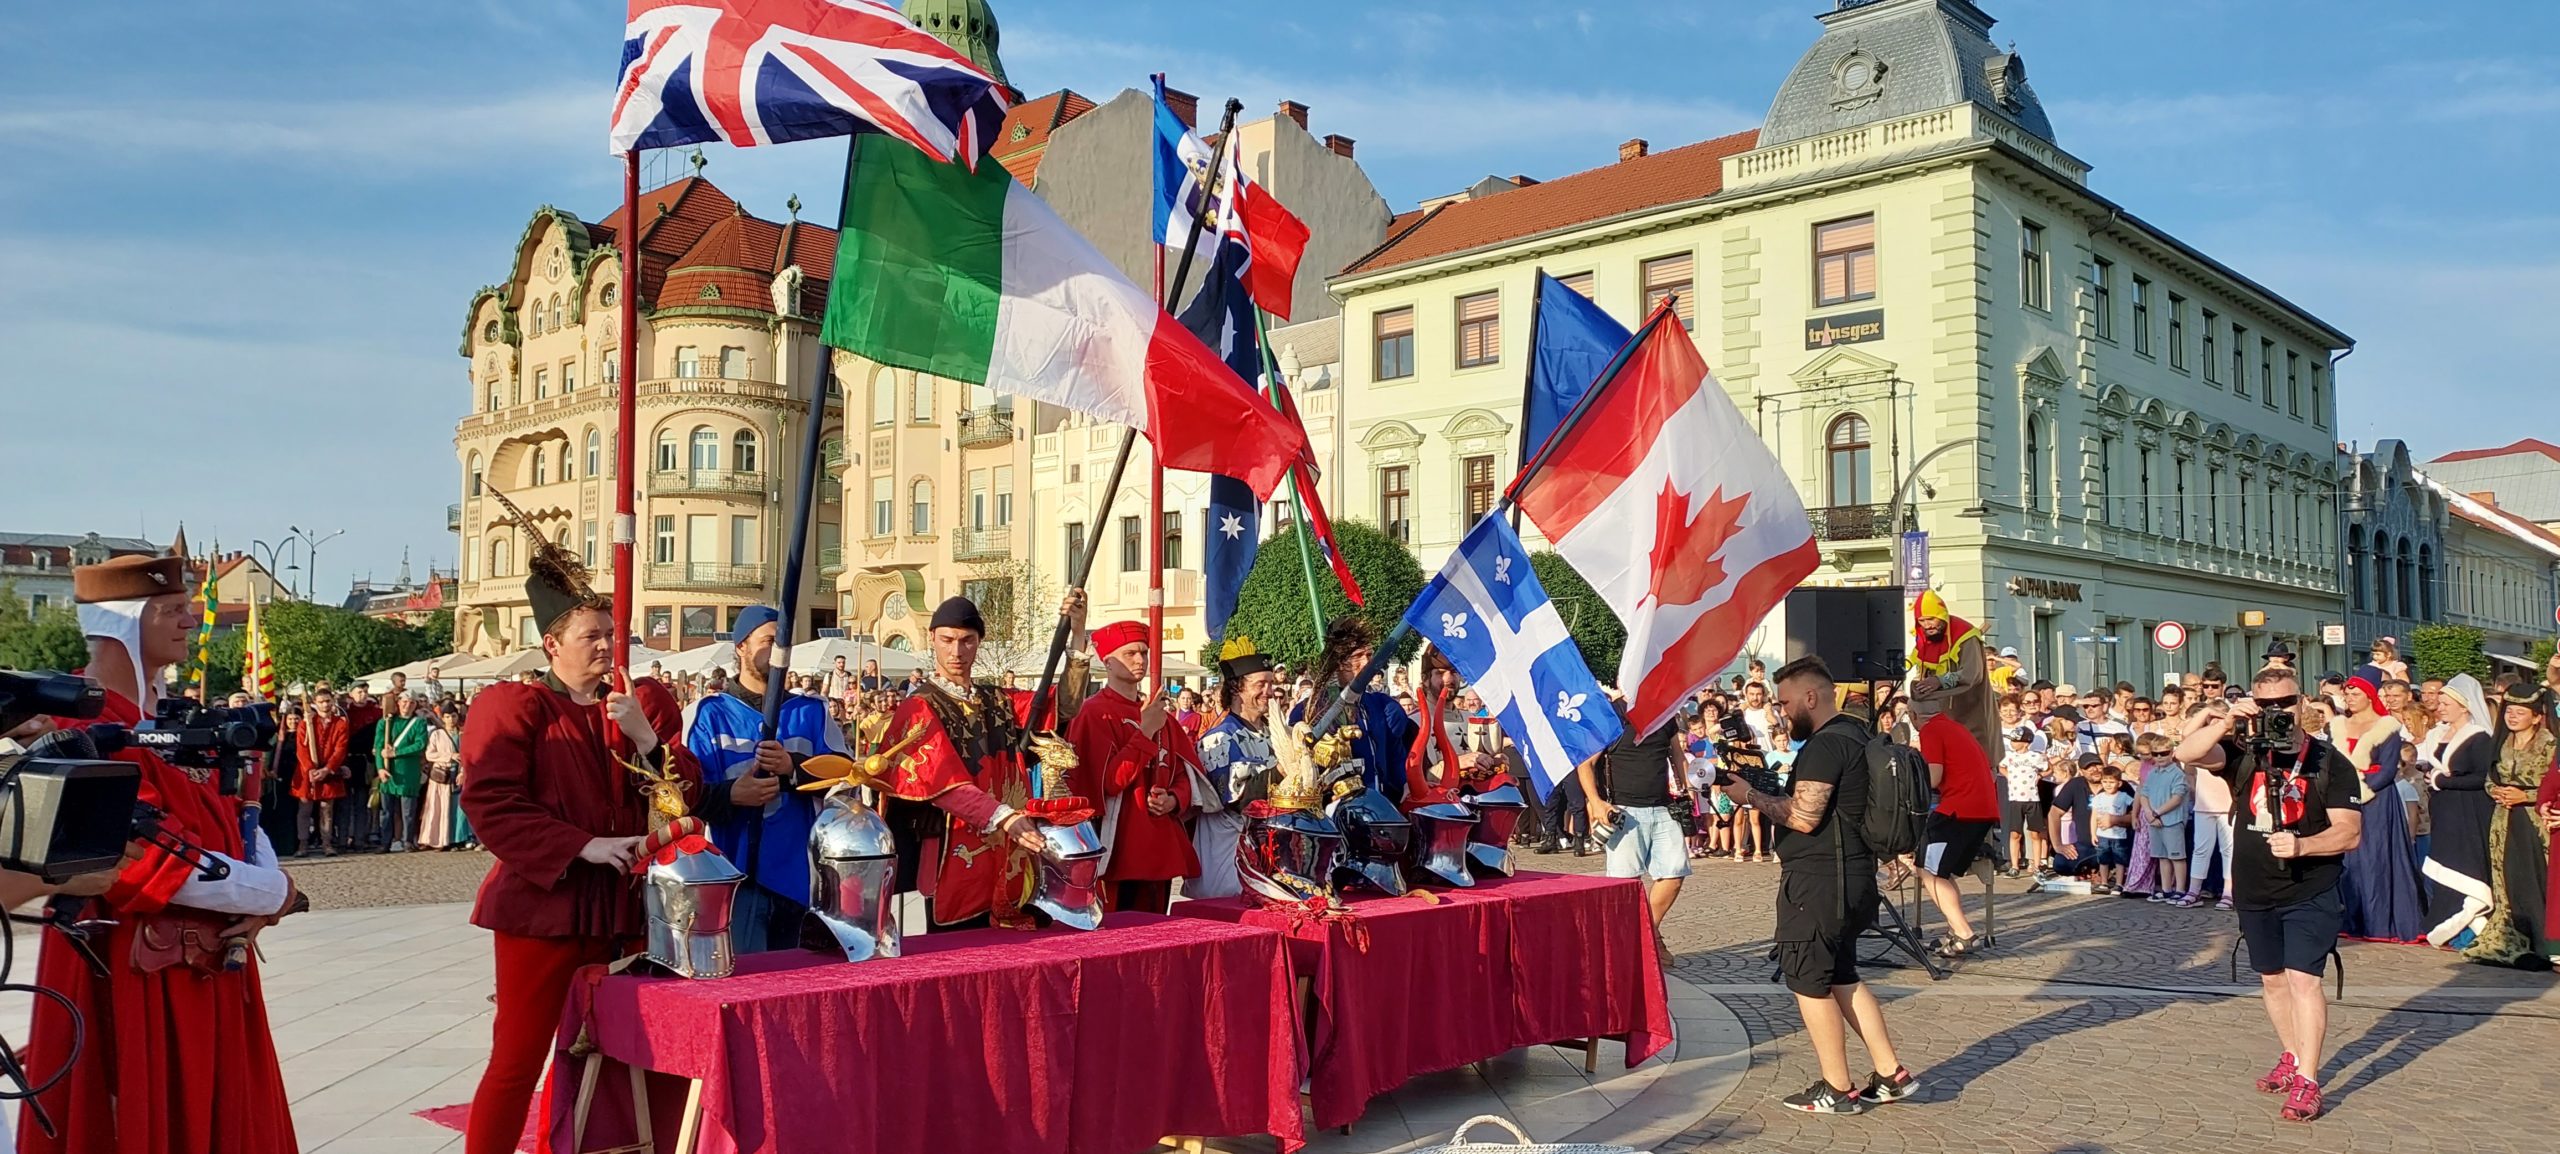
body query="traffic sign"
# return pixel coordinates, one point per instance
(2169, 636)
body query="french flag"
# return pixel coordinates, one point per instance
(1663, 497)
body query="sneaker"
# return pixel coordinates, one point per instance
(2159, 896)
(2280, 1079)
(2302, 1103)
(1823, 1098)
(1879, 1088)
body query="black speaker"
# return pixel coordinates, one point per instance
(1857, 632)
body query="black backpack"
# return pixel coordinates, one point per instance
(1898, 797)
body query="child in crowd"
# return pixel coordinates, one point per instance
(2164, 814)
(2021, 814)
(1708, 829)
(2111, 815)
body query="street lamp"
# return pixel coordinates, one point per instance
(313, 541)
(288, 547)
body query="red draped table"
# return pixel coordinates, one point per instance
(985, 1041)
(1409, 987)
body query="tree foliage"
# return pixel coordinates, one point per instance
(1595, 627)
(2446, 650)
(309, 642)
(2539, 653)
(47, 638)
(1272, 607)
(1021, 610)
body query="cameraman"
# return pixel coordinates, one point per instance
(177, 1039)
(2295, 813)
(1826, 891)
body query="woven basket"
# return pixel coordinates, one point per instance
(1458, 1143)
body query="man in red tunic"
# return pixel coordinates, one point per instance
(1127, 755)
(177, 1058)
(549, 796)
(961, 802)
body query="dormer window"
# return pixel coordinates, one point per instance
(1856, 81)
(2007, 75)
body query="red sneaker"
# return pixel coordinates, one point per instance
(2281, 1078)
(2302, 1103)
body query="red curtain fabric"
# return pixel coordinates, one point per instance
(1407, 987)
(990, 1040)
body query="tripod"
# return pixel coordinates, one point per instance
(1899, 933)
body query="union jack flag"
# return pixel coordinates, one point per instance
(768, 71)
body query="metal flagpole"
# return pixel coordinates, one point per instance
(1128, 441)
(626, 417)
(1350, 692)
(1529, 374)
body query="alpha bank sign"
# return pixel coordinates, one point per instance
(1844, 329)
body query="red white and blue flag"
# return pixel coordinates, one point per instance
(1239, 212)
(1663, 497)
(756, 72)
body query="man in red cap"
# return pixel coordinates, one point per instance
(177, 1057)
(1141, 767)
(549, 796)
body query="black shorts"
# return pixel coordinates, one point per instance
(2017, 817)
(1948, 845)
(1818, 931)
(2297, 937)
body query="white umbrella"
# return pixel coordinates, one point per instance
(496, 668)
(416, 670)
(699, 659)
(819, 655)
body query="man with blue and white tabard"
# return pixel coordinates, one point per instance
(759, 824)
(1236, 755)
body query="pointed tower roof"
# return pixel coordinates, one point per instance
(967, 25)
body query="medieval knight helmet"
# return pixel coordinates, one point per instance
(688, 895)
(1498, 813)
(1289, 856)
(1439, 846)
(1375, 838)
(1070, 876)
(853, 881)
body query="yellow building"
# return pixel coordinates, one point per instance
(1902, 259)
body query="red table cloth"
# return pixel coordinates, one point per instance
(1408, 987)
(986, 1041)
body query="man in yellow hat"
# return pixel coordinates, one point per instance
(1948, 671)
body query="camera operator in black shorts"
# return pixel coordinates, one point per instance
(1826, 891)
(2295, 817)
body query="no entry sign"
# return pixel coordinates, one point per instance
(2169, 636)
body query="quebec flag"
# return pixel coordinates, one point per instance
(1489, 616)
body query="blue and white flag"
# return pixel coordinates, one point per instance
(1489, 616)
(1182, 176)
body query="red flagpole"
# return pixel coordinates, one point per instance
(626, 417)
(1155, 554)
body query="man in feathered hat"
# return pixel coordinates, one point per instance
(178, 1055)
(1141, 764)
(760, 826)
(961, 801)
(1237, 756)
(549, 794)
(1948, 672)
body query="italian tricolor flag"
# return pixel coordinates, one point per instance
(970, 277)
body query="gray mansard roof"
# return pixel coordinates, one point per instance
(1880, 60)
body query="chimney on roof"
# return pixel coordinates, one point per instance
(1635, 149)
(1294, 111)
(1340, 144)
(1185, 106)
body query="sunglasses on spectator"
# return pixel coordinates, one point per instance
(2287, 701)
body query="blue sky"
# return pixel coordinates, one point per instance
(237, 238)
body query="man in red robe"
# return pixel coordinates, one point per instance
(1141, 767)
(549, 796)
(177, 1057)
(961, 801)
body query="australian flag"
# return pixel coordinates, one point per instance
(1489, 616)
(1222, 316)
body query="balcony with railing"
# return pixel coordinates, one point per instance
(684, 385)
(1856, 522)
(705, 575)
(676, 482)
(830, 560)
(994, 544)
(453, 517)
(986, 427)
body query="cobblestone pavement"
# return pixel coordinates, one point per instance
(2095, 1024)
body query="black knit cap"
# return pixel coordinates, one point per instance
(959, 613)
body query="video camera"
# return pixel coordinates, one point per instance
(65, 811)
(214, 737)
(1739, 757)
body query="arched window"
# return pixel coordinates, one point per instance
(2426, 583)
(2179, 526)
(612, 365)
(595, 453)
(1850, 454)
(2143, 518)
(884, 398)
(2355, 568)
(742, 451)
(666, 458)
(2213, 504)
(705, 456)
(557, 316)
(2408, 574)
(2034, 482)
(541, 466)
(498, 557)
(607, 297)
(475, 474)
(533, 319)
(920, 507)
(924, 399)
(2382, 574)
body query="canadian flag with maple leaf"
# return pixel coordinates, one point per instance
(1664, 499)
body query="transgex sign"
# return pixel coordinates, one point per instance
(1844, 329)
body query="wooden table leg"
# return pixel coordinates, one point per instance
(690, 1128)
(586, 1098)
(640, 1110)
(1590, 1055)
